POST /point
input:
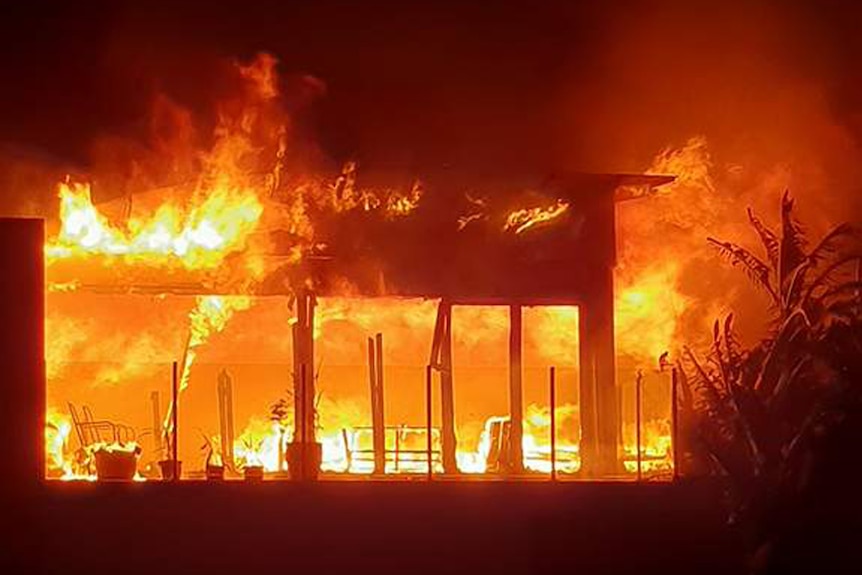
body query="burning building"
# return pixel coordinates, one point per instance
(251, 321)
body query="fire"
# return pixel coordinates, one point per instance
(521, 220)
(197, 237)
(210, 316)
(647, 310)
(57, 430)
(345, 194)
(202, 226)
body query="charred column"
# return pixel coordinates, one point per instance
(22, 394)
(516, 409)
(441, 359)
(157, 421)
(225, 402)
(588, 413)
(598, 388)
(304, 451)
(375, 379)
(602, 333)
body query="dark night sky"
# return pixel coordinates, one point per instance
(525, 85)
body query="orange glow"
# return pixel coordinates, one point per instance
(521, 220)
(211, 315)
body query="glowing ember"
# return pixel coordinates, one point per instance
(521, 220)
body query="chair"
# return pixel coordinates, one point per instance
(91, 431)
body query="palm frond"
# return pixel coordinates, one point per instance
(830, 244)
(785, 382)
(822, 280)
(734, 347)
(721, 362)
(767, 237)
(847, 289)
(792, 287)
(753, 267)
(793, 240)
(780, 345)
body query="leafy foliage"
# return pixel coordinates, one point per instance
(760, 413)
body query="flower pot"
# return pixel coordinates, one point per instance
(167, 467)
(115, 465)
(308, 469)
(253, 473)
(215, 472)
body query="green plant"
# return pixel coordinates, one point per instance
(212, 457)
(761, 413)
(252, 449)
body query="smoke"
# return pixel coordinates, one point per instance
(741, 102)
(764, 95)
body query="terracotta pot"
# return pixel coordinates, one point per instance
(115, 465)
(313, 457)
(215, 472)
(166, 466)
(253, 473)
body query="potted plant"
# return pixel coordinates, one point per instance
(252, 468)
(116, 462)
(304, 458)
(213, 464)
(279, 414)
(169, 468)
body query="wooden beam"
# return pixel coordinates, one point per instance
(516, 392)
(158, 426)
(381, 436)
(587, 411)
(447, 396)
(303, 363)
(225, 402)
(375, 381)
(606, 384)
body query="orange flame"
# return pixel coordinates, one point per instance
(199, 237)
(210, 316)
(524, 219)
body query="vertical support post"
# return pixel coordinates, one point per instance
(303, 389)
(674, 422)
(598, 346)
(638, 401)
(428, 415)
(230, 431)
(157, 421)
(447, 395)
(175, 397)
(553, 402)
(380, 405)
(587, 409)
(375, 377)
(516, 408)
(225, 400)
(606, 386)
(310, 383)
(397, 462)
(303, 361)
(23, 391)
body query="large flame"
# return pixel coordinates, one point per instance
(210, 316)
(198, 236)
